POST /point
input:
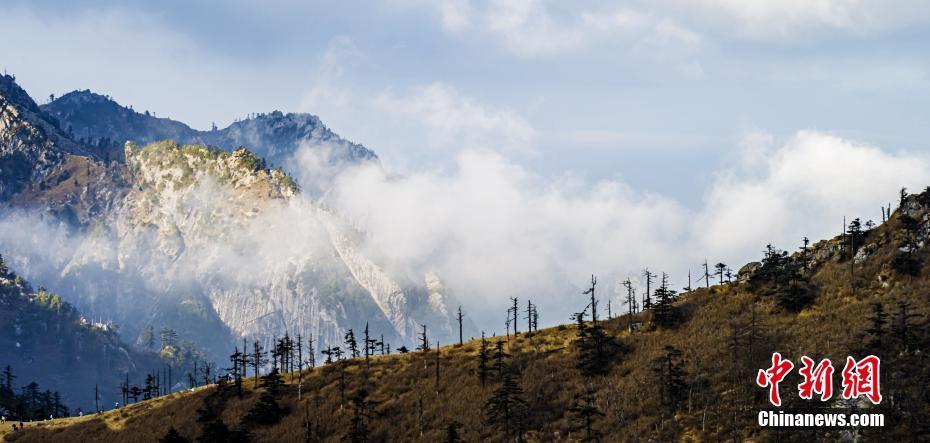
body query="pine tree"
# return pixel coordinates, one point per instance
(236, 371)
(506, 408)
(877, 330)
(362, 412)
(669, 377)
(592, 345)
(452, 433)
(902, 328)
(370, 346)
(266, 410)
(499, 356)
(664, 312)
(258, 359)
(272, 382)
(720, 271)
(173, 436)
(351, 344)
(585, 412)
(515, 310)
(483, 359)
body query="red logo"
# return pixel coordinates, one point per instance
(772, 376)
(858, 378)
(816, 380)
(862, 378)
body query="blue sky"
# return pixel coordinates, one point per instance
(701, 108)
(609, 89)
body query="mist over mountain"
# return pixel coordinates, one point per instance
(204, 239)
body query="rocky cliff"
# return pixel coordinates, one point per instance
(208, 241)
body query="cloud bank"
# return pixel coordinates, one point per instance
(494, 229)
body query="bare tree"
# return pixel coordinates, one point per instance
(459, 317)
(647, 298)
(593, 305)
(630, 301)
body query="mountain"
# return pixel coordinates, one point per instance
(46, 340)
(40, 167)
(98, 120)
(684, 370)
(206, 241)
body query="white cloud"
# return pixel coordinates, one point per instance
(537, 28)
(493, 228)
(778, 20)
(453, 120)
(455, 14)
(427, 122)
(804, 187)
(530, 28)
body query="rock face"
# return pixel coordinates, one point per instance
(208, 241)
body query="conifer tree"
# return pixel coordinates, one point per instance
(506, 408)
(720, 271)
(902, 328)
(499, 356)
(664, 313)
(585, 413)
(515, 310)
(266, 410)
(362, 412)
(878, 321)
(257, 360)
(172, 436)
(669, 377)
(452, 433)
(351, 344)
(236, 370)
(483, 359)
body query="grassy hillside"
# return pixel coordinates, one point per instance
(724, 335)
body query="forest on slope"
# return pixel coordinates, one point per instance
(682, 369)
(45, 340)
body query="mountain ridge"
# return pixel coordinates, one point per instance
(274, 136)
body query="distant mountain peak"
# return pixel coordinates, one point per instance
(275, 136)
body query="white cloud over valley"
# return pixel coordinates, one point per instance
(493, 228)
